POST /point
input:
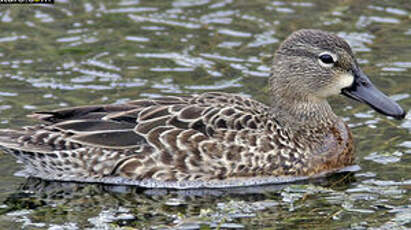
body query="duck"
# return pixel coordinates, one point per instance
(214, 139)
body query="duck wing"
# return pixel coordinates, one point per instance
(86, 142)
(129, 125)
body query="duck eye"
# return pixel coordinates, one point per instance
(327, 59)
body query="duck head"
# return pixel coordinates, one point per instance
(311, 65)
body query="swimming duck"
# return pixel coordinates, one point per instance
(213, 139)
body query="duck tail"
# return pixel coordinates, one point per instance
(9, 139)
(38, 159)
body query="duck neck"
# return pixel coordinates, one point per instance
(297, 109)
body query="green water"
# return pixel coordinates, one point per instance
(93, 52)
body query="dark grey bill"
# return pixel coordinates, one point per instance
(364, 91)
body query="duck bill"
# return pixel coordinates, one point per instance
(363, 90)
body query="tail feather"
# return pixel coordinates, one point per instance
(10, 139)
(39, 160)
(43, 160)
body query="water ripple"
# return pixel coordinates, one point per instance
(187, 25)
(234, 33)
(130, 10)
(181, 59)
(190, 3)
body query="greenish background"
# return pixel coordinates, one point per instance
(92, 52)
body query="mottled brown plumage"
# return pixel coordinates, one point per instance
(209, 140)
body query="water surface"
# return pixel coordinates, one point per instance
(93, 52)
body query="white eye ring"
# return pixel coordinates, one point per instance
(328, 64)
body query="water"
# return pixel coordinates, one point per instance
(78, 53)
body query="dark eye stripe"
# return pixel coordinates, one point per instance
(327, 59)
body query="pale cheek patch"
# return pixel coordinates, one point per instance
(342, 81)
